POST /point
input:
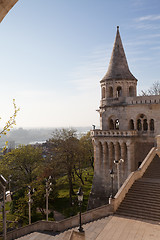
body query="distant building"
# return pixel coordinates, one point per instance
(128, 126)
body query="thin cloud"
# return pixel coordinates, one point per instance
(92, 69)
(148, 18)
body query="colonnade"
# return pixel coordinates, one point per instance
(105, 152)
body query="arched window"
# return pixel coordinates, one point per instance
(117, 124)
(131, 91)
(103, 92)
(145, 125)
(110, 92)
(119, 91)
(139, 125)
(131, 124)
(152, 125)
(111, 124)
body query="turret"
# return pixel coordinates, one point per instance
(118, 82)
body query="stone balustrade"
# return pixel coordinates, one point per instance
(110, 133)
(63, 225)
(131, 100)
(119, 197)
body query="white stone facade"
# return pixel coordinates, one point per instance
(128, 126)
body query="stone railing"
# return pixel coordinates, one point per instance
(65, 224)
(119, 197)
(114, 133)
(130, 100)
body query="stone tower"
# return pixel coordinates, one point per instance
(128, 126)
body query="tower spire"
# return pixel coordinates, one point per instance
(118, 67)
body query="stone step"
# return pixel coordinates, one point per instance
(132, 214)
(137, 202)
(139, 212)
(142, 207)
(146, 194)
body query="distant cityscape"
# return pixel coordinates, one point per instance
(23, 136)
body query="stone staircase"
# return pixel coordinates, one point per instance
(143, 198)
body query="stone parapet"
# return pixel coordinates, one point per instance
(130, 100)
(65, 224)
(119, 197)
(113, 133)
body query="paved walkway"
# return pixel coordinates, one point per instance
(111, 228)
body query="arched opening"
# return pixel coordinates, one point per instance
(131, 124)
(117, 124)
(131, 91)
(152, 125)
(139, 125)
(119, 91)
(110, 92)
(145, 125)
(103, 92)
(111, 124)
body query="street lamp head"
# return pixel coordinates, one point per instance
(121, 160)
(116, 161)
(111, 173)
(80, 195)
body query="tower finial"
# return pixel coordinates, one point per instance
(117, 27)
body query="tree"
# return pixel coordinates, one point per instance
(153, 90)
(64, 148)
(84, 157)
(9, 124)
(69, 155)
(23, 164)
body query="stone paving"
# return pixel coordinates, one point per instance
(109, 228)
(91, 229)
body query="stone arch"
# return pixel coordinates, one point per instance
(139, 125)
(5, 7)
(103, 92)
(111, 124)
(110, 92)
(151, 125)
(145, 125)
(131, 91)
(142, 123)
(119, 91)
(131, 124)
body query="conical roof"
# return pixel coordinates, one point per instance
(118, 67)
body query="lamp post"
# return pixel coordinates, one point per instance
(80, 200)
(29, 203)
(112, 177)
(117, 162)
(48, 190)
(3, 183)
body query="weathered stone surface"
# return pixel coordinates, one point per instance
(5, 7)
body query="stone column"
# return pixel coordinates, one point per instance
(110, 154)
(125, 164)
(96, 157)
(130, 153)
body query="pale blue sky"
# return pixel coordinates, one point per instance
(53, 54)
